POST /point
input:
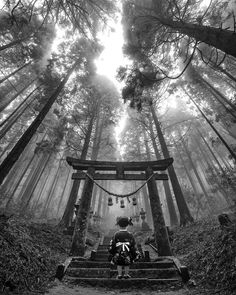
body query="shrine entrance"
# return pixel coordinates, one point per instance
(90, 171)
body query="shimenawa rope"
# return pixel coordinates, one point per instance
(119, 195)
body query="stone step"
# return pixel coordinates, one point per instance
(124, 283)
(106, 240)
(102, 247)
(101, 258)
(101, 251)
(135, 273)
(137, 265)
(102, 254)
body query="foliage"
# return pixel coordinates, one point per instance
(29, 253)
(208, 251)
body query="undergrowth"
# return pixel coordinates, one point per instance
(209, 251)
(29, 254)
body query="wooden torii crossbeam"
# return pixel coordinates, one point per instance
(120, 168)
(87, 171)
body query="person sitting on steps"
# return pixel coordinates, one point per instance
(123, 248)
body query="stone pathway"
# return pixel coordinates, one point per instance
(63, 289)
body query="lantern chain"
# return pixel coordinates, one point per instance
(119, 195)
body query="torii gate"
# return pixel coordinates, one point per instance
(147, 171)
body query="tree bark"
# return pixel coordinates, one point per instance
(169, 200)
(13, 43)
(11, 120)
(197, 196)
(50, 194)
(69, 211)
(197, 174)
(28, 190)
(225, 40)
(144, 189)
(170, 204)
(14, 72)
(209, 122)
(62, 193)
(185, 215)
(217, 94)
(4, 104)
(215, 173)
(214, 156)
(100, 199)
(16, 175)
(14, 154)
(19, 110)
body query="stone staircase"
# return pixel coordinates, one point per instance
(98, 271)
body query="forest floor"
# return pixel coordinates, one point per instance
(30, 253)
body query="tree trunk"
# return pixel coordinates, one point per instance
(14, 154)
(5, 103)
(217, 94)
(185, 215)
(95, 190)
(215, 173)
(13, 43)
(192, 182)
(100, 200)
(221, 99)
(14, 72)
(50, 194)
(11, 120)
(19, 110)
(97, 137)
(29, 189)
(62, 193)
(144, 189)
(69, 211)
(16, 175)
(209, 122)
(222, 70)
(170, 204)
(214, 156)
(225, 40)
(196, 174)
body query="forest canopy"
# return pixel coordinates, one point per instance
(178, 87)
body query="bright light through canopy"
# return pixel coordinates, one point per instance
(112, 56)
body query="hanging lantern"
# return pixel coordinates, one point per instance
(142, 214)
(122, 204)
(76, 208)
(110, 202)
(134, 201)
(90, 213)
(95, 217)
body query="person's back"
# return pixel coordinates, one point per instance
(122, 248)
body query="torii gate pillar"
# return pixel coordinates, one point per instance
(80, 231)
(81, 221)
(160, 232)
